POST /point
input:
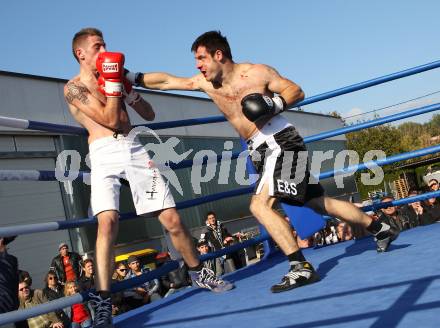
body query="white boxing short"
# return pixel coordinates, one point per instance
(112, 158)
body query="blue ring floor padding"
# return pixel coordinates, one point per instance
(358, 288)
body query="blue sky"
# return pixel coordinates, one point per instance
(322, 45)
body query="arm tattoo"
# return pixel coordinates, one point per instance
(75, 91)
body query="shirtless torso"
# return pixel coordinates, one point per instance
(84, 89)
(246, 79)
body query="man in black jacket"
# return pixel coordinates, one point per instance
(67, 265)
(416, 212)
(218, 237)
(8, 278)
(216, 234)
(432, 205)
(392, 216)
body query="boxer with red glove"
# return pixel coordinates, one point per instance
(130, 96)
(110, 66)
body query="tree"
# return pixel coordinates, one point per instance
(386, 138)
(412, 135)
(433, 126)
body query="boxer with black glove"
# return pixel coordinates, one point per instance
(256, 106)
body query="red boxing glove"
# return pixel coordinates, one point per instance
(110, 66)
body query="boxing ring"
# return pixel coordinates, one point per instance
(358, 287)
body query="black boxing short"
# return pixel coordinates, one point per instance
(280, 158)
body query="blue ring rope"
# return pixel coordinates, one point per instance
(59, 128)
(57, 225)
(32, 175)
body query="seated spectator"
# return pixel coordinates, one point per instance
(52, 291)
(8, 278)
(318, 237)
(203, 248)
(145, 293)
(87, 279)
(416, 212)
(432, 204)
(66, 265)
(79, 313)
(119, 302)
(392, 216)
(343, 231)
(120, 271)
(24, 276)
(330, 235)
(175, 280)
(30, 298)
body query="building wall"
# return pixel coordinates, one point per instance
(31, 202)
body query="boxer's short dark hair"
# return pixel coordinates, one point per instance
(213, 41)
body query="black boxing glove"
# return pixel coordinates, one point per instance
(256, 106)
(136, 79)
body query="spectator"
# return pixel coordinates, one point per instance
(67, 265)
(330, 235)
(391, 216)
(52, 291)
(318, 237)
(145, 293)
(216, 234)
(24, 276)
(203, 248)
(120, 271)
(432, 204)
(119, 302)
(79, 313)
(8, 278)
(87, 279)
(416, 212)
(175, 280)
(30, 298)
(218, 237)
(344, 232)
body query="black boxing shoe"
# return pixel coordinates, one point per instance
(385, 236)
(300, 274)
(102, 307)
